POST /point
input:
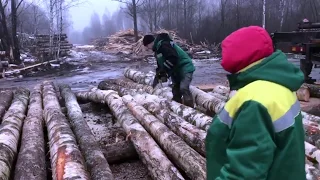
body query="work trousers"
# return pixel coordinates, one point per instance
(181, 91)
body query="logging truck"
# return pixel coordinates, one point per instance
(304, 45)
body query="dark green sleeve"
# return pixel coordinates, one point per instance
(250, 150)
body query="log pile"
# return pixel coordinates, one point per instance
(42, 45)
(190, 124)
(124, 42)
(168, 137)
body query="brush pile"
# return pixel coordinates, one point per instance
(168, 137)
(123, 42)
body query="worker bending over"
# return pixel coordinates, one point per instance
(172, 62)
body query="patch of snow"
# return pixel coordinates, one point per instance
(203, 52)
(29, 60)
(76, 54)
(84, 46)
(210, 59)
(54, 65)
(214, 59)
(126, 52)
(86, 69)
(23, 55)
(13, 65)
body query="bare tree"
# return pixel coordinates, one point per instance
(132, 6)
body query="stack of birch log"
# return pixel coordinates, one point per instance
(74, 152)
(170, 128)
(168, 136)
(42, 45)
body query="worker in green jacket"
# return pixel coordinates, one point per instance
(172, 62)
(259, 134)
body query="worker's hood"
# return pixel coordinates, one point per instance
(160, 37)
(275, 68)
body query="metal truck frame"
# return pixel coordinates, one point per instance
(305, 45)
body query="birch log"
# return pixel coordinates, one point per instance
(116, 84)
(312, 151)
(138, 76)
(164, 92)
(222, 90)
(310, 117)
(314, 89)
(303, 94)
(201, 98)
(31, 163)
(312, 132)
(10, 130)
(217, 95)
(105, 85)
(183, 155)
(159, 166)
(97, 164)
(5, 101)
(192, 135)
(189, 114)
(311, 172)
(66, 159)
(206, 101)
(131, 85)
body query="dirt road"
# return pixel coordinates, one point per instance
(89, 67)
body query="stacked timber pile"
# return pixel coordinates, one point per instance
(145, 106)
(42, 45)
(124, 42)
(168, 137)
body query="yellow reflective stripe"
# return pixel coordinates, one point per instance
(288, 119)
(275, 98)
(281, 103)
(253, 64)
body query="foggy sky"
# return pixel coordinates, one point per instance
(81, 14)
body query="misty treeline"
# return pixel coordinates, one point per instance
(22, 19)
(102, 26)
(203, 20)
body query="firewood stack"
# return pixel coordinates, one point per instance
(124, 42)
(168, 137)
(42, 45)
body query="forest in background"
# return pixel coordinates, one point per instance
(196, 20)
(201, 20)
(20, 20)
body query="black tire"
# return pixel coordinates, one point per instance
(306, 68)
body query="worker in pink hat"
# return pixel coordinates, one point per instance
(259, 134)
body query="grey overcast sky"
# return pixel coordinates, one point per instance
(81, 13)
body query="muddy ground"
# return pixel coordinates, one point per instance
(86, 69)
(107, 131)
(93, 66)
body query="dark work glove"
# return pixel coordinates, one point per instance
(162, 75)
(164, 78)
